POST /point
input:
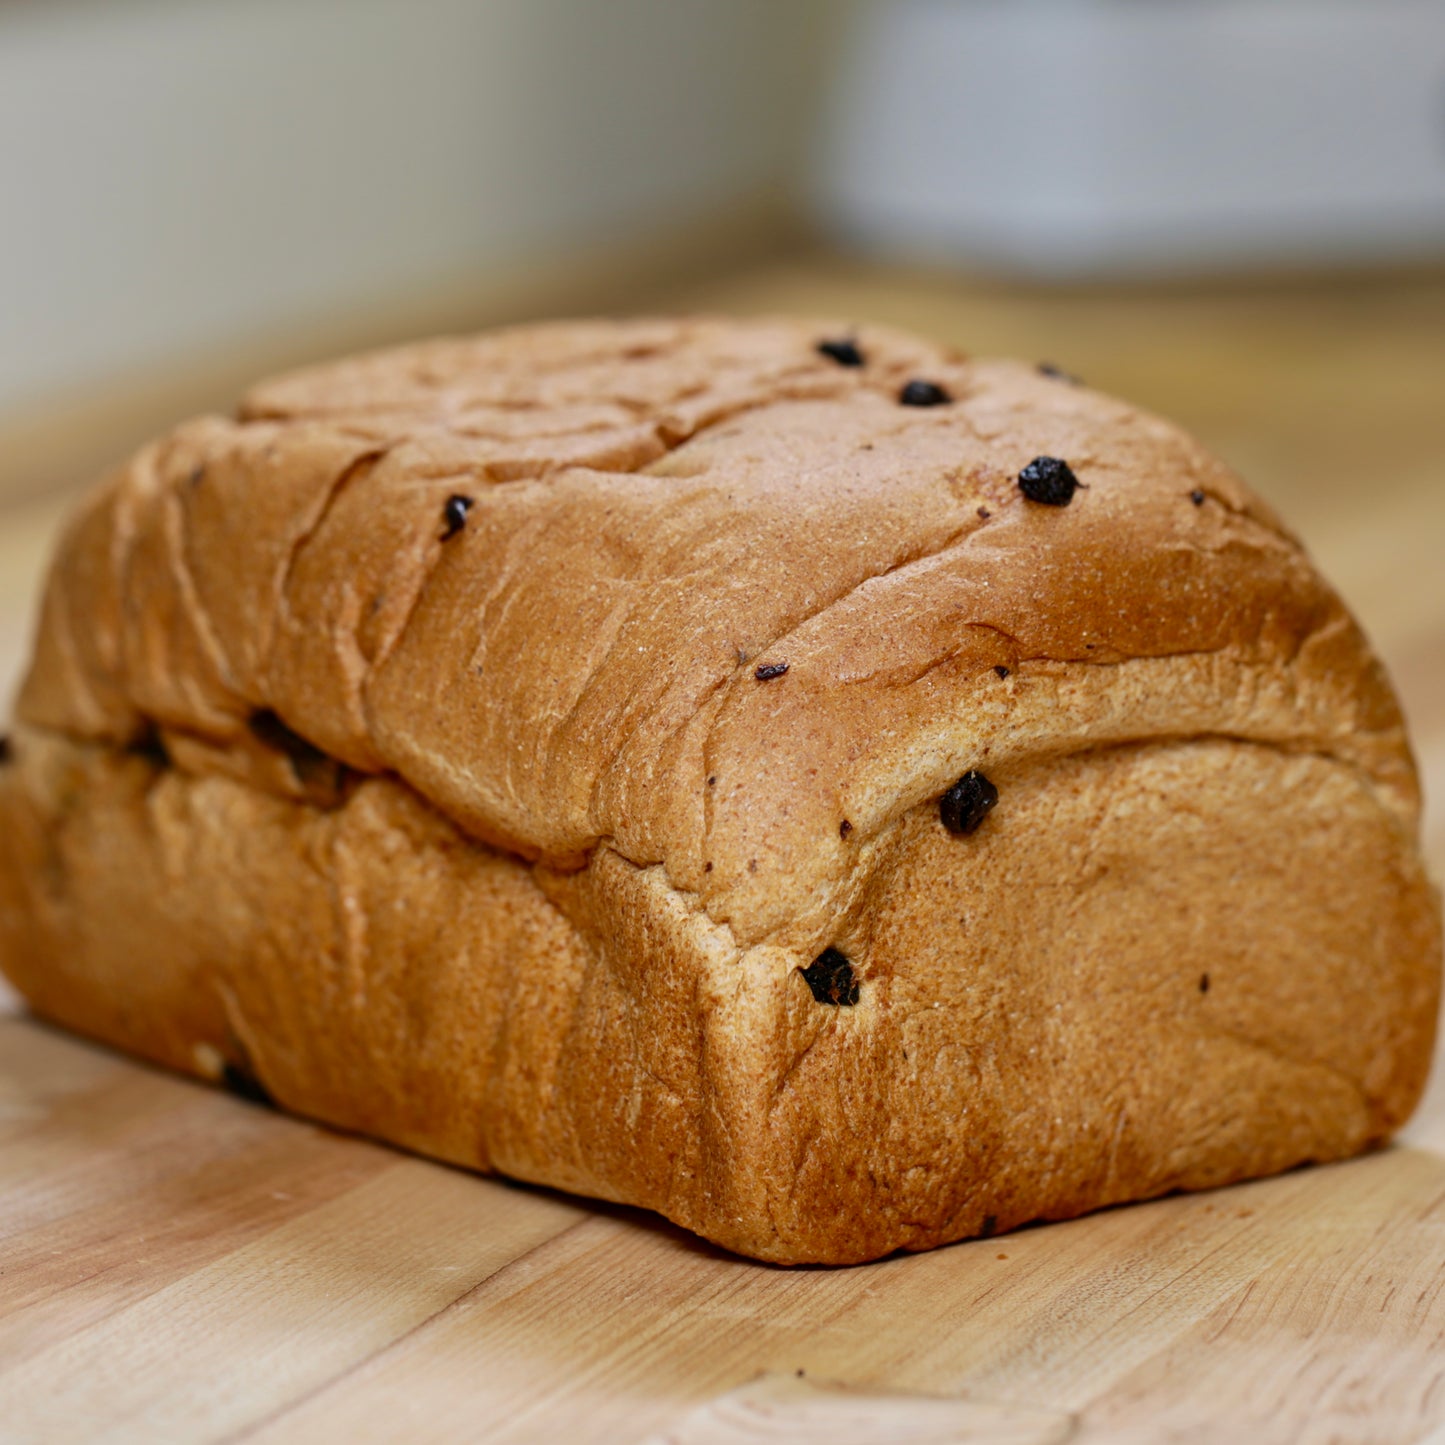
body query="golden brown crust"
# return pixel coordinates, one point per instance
(560, 707)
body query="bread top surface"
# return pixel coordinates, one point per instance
(651, 512)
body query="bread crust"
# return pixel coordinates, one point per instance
(488, 840)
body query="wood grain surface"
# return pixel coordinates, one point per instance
(177, 1265)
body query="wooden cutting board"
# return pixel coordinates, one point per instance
(179, 1265)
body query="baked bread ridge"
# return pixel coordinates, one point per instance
(657, 509)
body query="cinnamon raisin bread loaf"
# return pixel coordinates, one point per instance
(841, 795)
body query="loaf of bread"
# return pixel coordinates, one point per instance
(838, 794)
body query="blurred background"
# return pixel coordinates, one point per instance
(1230, 211)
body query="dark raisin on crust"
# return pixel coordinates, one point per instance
(454, 515)
(1000, 669)
(984, 514)
(844, 828)
(989, 1227)
(767, 671)
(1049, 481)
(1203, 983)
(241, 1082)
(831, 978)
(844, 351)
(967, 803)
(923, 393)
(150, 747)
(7, 750)
(1047, 368)
(312, 767)
(1197, 497)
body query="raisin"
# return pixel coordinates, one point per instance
(1047, 368)
(923, 393)
(831, 978)
(1203, 983)
(1048, 480)
(245, 1085)
(1000, 669)
(1197, 497)
(989, 1227)
(150, 747)
(7, 750)
(967, 803)
(767, 671)
(844, 352)
(844, 828)
(984, 514)
(454, 515)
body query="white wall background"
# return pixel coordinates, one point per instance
(176, 174)
(181, 177)
(1072, 139)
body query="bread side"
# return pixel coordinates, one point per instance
(1128, 987)
(489, 839)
